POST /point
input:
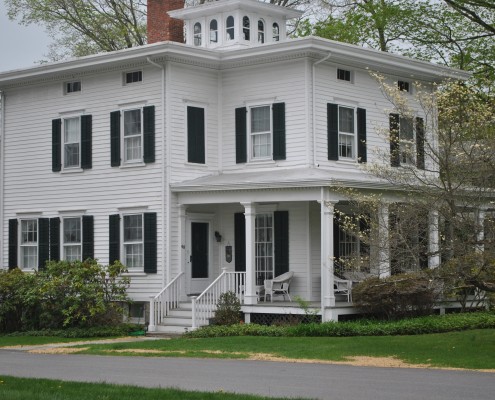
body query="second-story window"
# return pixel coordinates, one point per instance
(406, 141)
(275, 32)
(261, 31)
(246, 28)
(72, 142)
(132, 132)
(347, 133)
(197, 34)
(213, 31)
(261, 132)
(230, 29)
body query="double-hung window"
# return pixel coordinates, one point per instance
(72, 142)
(406, 140)
(133, 135)
(347, 133)
(264, 248)
(29, 244)
(197, 34)
(260, 132)
(72, 239)
(133, 243)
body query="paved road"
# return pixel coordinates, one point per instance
(316, 381)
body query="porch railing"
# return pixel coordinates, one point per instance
(168, 299)
(204, 306)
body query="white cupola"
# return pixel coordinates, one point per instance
(235, 23)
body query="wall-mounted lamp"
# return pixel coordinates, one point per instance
(218, 237)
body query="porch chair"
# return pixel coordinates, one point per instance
(356, 276)
(278, 285)
(342, 287)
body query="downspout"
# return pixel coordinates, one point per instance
(165, 182)
(314, 105)
(2, 163)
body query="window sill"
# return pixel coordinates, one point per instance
(72, 171)
(347, 161)
(135, 274)
(198, 165)
(133, 165)
(262, 162)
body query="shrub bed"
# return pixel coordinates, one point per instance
(410, 326)
(106, 331)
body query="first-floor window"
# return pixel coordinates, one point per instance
(348, 246)
(133, 241)
(264, 255)
(72, 242)
(29, 243)
(133, 133)
(261, 132)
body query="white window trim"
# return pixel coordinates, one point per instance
(204, 106)
(219, 32)
(62, 232)
(249, 135)
(20, 246)
(224, 35)
(138, 162)
(75, 168)
(123, 243)
(355, 141)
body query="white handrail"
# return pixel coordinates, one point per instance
(205, 304)
(168, 299)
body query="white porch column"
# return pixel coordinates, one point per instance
(250, 296)
(327, 254)
(383, 241)
(182, 245)
(434, 240)
(480, 230)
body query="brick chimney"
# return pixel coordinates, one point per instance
(161, 27)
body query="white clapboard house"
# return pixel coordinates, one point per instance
(206, 163)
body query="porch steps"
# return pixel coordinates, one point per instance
(178, 320)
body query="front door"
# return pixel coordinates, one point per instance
(199, 257)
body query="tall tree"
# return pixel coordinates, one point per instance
(481, 12)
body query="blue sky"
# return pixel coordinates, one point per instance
(20, 46)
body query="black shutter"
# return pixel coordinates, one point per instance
(281, 241)
(279, 131)
(361, 136)
(240, 242)
(149, 134)
(43, 242)
(333, 131)
(115, 138)
(240, 135)
(55, 239)
(114, 238)
(196, 135)
(336, 240)
(86, 141)
(150, 243)
(364, 227)
(88, 240)
(420, 143)
(394, 140)
(13, 227)
(56, 145)
(423, 239)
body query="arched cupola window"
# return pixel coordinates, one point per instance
(230, 28)
(197, 34)
(213, 31)
(246, 28)
(261, 31)
(276, 32)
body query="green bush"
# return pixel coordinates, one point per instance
(106, 331)
(397, 296)
(63, 295)
(228, 309)
(409, 326)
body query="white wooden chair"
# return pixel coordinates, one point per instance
(278, 285)
(342, 287)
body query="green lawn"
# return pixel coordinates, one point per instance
(472, 349)
(43, 389)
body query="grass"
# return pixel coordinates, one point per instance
(35, 340)
(471, 349)
(44, 389)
